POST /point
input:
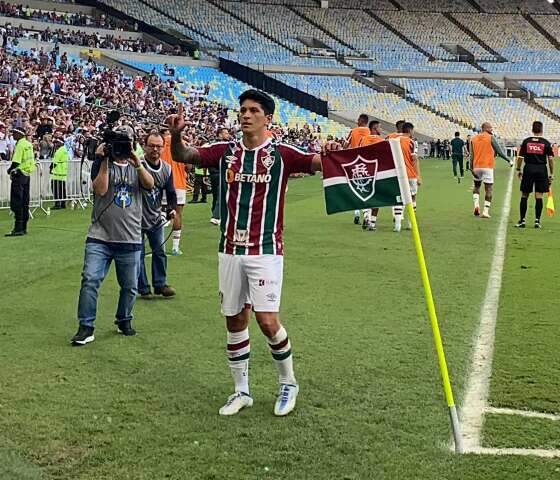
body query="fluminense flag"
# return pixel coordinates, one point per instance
(364, 177)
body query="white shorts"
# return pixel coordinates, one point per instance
(413, 183)
(485, 175)
(181, 196)
(250, 279)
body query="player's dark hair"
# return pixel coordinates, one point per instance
(457, 134)
(263, 99)
(399, 125)
(363, 119)
(407, 127)
(373, 123)
(537, 127)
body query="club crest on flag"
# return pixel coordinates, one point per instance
(361, 177)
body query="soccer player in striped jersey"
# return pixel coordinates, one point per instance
(375, 136)
(410, 154)
(253, 178)
(354, 140)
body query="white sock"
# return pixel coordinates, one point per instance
(398, 214)
(374, 219)
(281, 351)
(356, 213)
(367, 215)
(238, 352)
(487, 205)
(176, 237)
(476, 200)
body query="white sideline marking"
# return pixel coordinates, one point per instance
(523, 413)
(476, 397)
(526, 452)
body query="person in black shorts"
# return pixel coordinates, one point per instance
(536, 153)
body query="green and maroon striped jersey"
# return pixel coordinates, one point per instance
(252, 193)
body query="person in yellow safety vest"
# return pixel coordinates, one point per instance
(59, 173)
(199, 185)
(23, 165)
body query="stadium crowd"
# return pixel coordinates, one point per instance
(71, 100)
(11, 34)
(63, 18)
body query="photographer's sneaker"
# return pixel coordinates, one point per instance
(215, 221)
(83, 336)
(286, 400)
(125, 328)
(538, 224)
(520, 224)
(235, 403)
(165, 291)
(176, 252)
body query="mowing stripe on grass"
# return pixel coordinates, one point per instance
(475, 401)
(522, 413)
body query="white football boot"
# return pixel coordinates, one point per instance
(286, 400)
(236, 402)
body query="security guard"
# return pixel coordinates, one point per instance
(23, 165)
(59, 173)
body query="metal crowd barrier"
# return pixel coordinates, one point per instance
(78, 186)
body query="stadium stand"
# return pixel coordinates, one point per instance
(513, 37)
(347, 95)
(470, 102)
(437, 6)
(226, 90)
(515, 6)
(378, 37)
(143, 12)
(431, 31)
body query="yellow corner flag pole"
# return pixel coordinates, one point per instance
(407, 201)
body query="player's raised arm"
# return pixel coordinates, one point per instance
(179, 151)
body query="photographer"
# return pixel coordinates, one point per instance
(23, 165)
(153, 220)
(115, 233)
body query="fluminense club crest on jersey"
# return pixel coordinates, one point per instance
(361, 177)
(268, 161)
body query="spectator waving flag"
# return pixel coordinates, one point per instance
(364, 177)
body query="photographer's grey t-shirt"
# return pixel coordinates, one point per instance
(151, 199)
(117, 215)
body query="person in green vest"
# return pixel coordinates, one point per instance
(23, 165)
(199, 185)
(59, 173)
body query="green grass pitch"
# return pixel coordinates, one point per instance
(371, 404)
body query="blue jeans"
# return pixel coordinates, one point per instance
(159, 261)
(98, 258)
